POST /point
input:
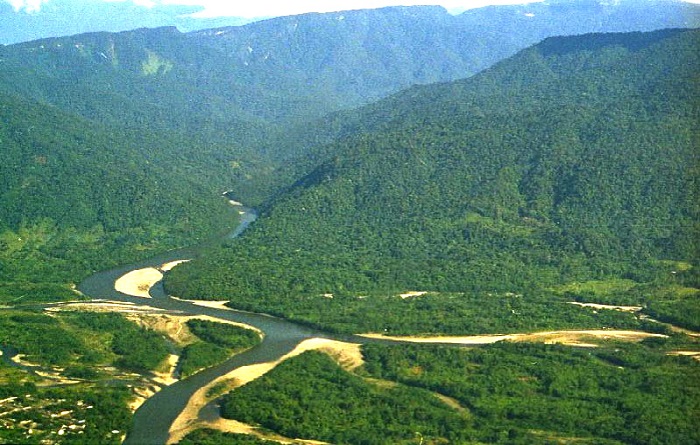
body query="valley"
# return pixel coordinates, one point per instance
(463, 234)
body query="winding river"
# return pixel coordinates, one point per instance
(152, 421)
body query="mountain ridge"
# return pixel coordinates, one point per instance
(527, 176)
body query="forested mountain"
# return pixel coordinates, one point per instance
(77, 195)
(574, 160)
(237, 86)
(113, 120)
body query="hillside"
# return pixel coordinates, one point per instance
(573, 161)
(77, 196)
(239, 87)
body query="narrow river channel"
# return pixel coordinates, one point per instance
(152, 421)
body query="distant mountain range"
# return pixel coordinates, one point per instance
(227, 107)
(66, 17)
(295, 69)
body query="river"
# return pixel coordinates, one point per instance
(152, 421)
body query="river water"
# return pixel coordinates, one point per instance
(152, 421)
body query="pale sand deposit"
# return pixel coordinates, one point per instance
(161, 378)
(347, 355)
(608, 306)
(413, 294)
(139, 282)
(208, 303)
(106, 306)
(174, 326)
(694, 354)
(167, 376)
(565, 337)
(142, 394)
(169, 266)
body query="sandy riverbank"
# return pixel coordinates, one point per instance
(608, 306)
(139, 282)
(172, 325)
(347, 355)
(573, 338)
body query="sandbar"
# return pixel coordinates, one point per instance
(608, 306)
(573, 337)
(169, 266)
(347, 355)
(139, 282)
(413, 293)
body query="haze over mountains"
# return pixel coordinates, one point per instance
(416, 173)
(234, 85)
(58, 18)
(226, 108)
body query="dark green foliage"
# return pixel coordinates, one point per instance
(624, 393)
(219, 342)
(198, 356)
(40, 337)
(681, 310)
(446, 313)
(13, 293)
(552, 167)
(214, 437)
(79, 196)
(100, 322)
(140, 350)
(223, 334)
(48, 340)
(310, 397)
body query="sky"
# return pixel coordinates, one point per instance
(35, 19)
(270, 8)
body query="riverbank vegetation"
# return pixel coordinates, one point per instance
(71, 376)
(311, 397)
(207, 436)
(515, 393)
(217, 342)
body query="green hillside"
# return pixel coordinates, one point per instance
(243, 88)
(575, 160)
(79, 196)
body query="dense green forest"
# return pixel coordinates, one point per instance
(505, 393)
(218, 341)
(76, 377)
(574, 161)
(567, 173)
(80, 196)
(215, 437)
(311, 397)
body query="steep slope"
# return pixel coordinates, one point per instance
(574, 160)
(77, 196)
(236, 86)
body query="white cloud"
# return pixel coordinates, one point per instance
(26, 5)
(262, 8)
(271, 8)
